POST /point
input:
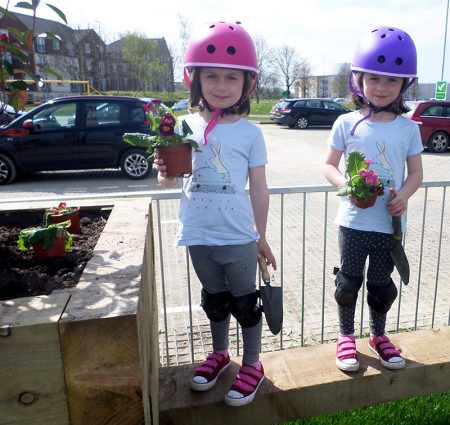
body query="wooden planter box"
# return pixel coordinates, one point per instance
(73, 357)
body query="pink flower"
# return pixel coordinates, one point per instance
(4, 37)
(369, 176)
(368, 161)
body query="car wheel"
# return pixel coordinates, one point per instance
(134, 164)
(302, 123)
(8, 171)
(438, 142)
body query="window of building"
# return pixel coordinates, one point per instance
(87, 48)
(89, 64)
(40, 45)
(70, 49)
(55, 44)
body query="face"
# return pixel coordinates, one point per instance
(381, 90)
(221, 87)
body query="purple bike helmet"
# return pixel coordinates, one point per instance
(386, 51)
(221, 45)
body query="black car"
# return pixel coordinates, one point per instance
(303, 113)
(75, 133)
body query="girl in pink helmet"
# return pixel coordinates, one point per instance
(383, 67)
(224, 229)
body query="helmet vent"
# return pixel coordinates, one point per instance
(384, 36)
(381, 59)
(231, 28)
(210, 48)
(400, 38)
(231, 50)
(398, 61)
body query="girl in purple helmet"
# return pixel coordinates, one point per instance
(224, 229)
(383, 68)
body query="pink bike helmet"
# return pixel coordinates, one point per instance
(222, 45)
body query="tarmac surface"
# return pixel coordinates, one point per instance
(295, 159)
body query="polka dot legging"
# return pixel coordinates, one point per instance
(355, 246)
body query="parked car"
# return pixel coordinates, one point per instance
(181, 105)
(433, 118)
(275, 108)
(302, 113)
(74, 133)
(341, 100)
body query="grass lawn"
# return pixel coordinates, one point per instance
(427, 410)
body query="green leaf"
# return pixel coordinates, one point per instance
(49, 70)
(355, 163)
(9, 67)
(19, 85)
(58, 12)
(344, 190)
(25, 5)
(139, 139)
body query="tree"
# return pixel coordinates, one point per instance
(18, 47)
(266, 73)
(178, 50)
(342, 80)
(146, 61)
(290, 66)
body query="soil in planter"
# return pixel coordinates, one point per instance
(21, 275)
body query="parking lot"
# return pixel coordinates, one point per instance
(295, 159)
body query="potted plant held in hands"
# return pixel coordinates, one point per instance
(175, 149)
(50, 241)
(363, 185)
(63, 213)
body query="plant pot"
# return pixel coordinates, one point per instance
(369, 203)
(57, 249)
(73, 216)
(177, 158)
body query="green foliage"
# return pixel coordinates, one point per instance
(163, 123)
(431, 409)
(44, 235)
(357, 186)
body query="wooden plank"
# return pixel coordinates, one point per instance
(306, 382)
(99, 330)
(32, 389)
(147, 320)
(101, 362)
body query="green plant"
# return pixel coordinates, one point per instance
(163, 123)
(20, 46)
(362, 183)
(61, 209)
(44, 235)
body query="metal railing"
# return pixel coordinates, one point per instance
(303, 238)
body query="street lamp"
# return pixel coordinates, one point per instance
(445, 43)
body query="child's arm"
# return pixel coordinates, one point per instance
(163, 180)
(331, 168)
(397, 206)
(259, 197)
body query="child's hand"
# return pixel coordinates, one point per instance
(397, 204)
(159, 164)
(266, 253)
(163, 179)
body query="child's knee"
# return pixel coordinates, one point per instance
(347, 288)
(381, 297)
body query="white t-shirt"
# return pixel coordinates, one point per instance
(387, 145)
(215, 208)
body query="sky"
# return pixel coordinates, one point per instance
(322, 31)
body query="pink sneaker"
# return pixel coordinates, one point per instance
(346, 356)
(388, 354)
(245, 386)
(206, 373)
